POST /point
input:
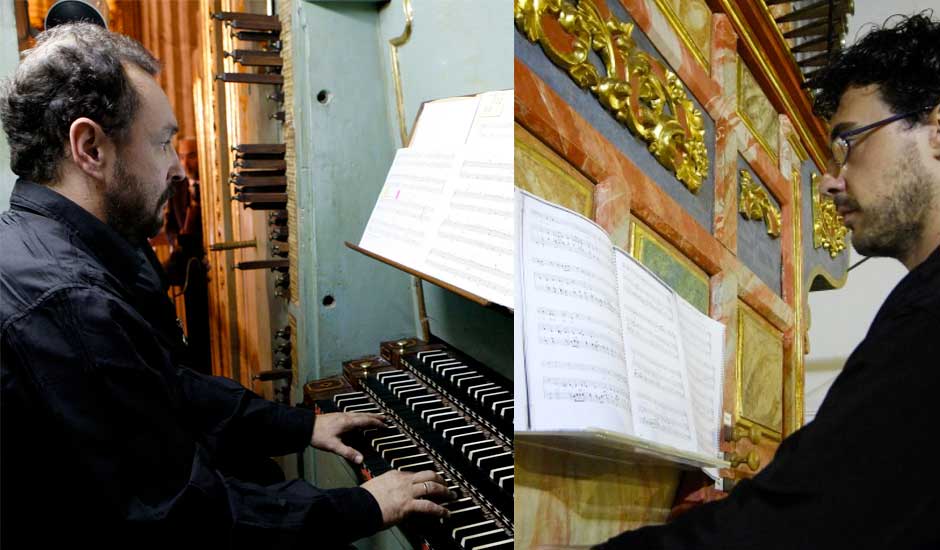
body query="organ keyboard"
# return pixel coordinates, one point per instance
(446, 413)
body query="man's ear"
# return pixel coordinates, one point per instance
(933, 124)
(91, 150)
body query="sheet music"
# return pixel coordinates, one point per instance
(654, 356)
(574, 358)
(408, 210)
(521, 398)
(473, 246)
(702, 340)
(444, 123)
(493, 123)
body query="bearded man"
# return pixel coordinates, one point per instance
(860, 475)
(109, 439)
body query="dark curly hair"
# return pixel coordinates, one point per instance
(902, 58)
(74, 71)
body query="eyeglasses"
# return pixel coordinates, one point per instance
(841, 145)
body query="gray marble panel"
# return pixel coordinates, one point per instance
(757, 250)
(814, 258)
(700, 205)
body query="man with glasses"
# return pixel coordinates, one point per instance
(860, 475)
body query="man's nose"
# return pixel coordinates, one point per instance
(176, 172)
(833, 182)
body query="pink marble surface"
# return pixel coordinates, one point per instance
(724, 59)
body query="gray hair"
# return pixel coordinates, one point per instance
(76, 70)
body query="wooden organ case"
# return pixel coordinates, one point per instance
(680, 127)
(238, 94)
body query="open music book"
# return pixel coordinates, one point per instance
(446, 207)
(605, 344)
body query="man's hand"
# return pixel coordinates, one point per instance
(400, 494)
(328, 427)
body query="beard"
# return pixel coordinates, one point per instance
(127, 209)
(895, 227)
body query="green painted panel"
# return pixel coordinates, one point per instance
(682, 278)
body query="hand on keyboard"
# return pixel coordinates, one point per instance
(400, 494)
(328, 427)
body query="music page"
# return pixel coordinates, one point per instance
(702, 340)
(410, 206)
(574, 358)
(654, 356)
(493, 122)
(521, 413)
(444, 123)
(472, 248)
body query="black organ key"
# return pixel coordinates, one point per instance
(414, 463)
(464, 380)
(431, 427)
(490, 461)
(460, 439)
(479, 539)
(391, 452)
(449, 414)
(506, 482)
(462, 516)
(431, 411)
(473, 377)
(505, 544)
(474, 391)
(422, 406)
(459, 502)
(488, 398)
(482, 451)
(443, 425)
(450, 433)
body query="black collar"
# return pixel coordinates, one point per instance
(115, 252)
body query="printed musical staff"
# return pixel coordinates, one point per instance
(579, 390)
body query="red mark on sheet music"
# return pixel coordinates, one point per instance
(397, 193)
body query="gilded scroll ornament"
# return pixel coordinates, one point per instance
(754, 204)
(640, 92)
(828, 229)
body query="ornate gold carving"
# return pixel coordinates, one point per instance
(755, 204)
(828, 229)
(640, 92)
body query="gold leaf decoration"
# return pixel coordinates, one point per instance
(636, 88)
(829, 230)
(755, 204)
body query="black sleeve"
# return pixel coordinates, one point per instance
(103, 439)
(240, 422)
(850, 478)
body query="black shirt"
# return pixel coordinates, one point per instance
(862, 474)
(107, 437)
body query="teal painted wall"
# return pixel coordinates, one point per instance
(9, 59)
(456, 48)
(345, 146)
